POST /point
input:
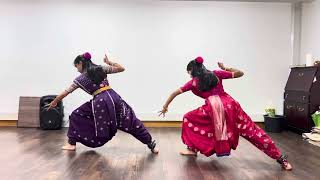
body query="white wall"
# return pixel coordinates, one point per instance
(310, 37)
(154, 40)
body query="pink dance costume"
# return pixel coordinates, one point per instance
(215, 127)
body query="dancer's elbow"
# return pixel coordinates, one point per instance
(120, 69)
(238, 74)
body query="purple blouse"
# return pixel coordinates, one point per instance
(85, 83)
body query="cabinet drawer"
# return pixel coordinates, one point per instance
(297, 114)
(296, 96)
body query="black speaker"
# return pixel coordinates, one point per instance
(50, 119)
(274, 124)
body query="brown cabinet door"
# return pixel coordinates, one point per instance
(301, 79)
(302, 116)
(290, 112)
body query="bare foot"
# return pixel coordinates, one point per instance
(287, 166)
(188, 152)
(155, 151)
(69, 147)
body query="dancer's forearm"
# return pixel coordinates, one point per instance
(118, 67)
(115, 66)
(237, 73)
(171, 98)
(60, 97)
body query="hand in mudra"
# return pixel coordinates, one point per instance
(106, 59)
(221, 65)
(53, 104)
(163, 112)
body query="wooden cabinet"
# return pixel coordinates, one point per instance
(302, 97)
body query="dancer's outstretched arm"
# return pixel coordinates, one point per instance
(115, 67)
(62, 95)
(169, 100)
(236, 73)
(58, 99)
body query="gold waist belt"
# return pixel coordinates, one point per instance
(105, 88)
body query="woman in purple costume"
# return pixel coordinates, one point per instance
(97, 121)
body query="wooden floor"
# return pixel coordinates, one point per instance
(35, 154)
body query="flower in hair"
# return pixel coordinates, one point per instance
(87, 56)
(199, 60)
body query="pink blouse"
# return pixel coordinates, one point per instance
(193, 85)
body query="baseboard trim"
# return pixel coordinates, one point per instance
(13, 123)
(162, 123)
(8, 123)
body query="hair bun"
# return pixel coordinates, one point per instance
(199, 60)
(87, 56)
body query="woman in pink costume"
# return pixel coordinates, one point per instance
(216, 126)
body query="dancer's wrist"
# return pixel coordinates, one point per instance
(112, 63)
(165, 108)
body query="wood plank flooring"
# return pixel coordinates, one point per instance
(27, 153)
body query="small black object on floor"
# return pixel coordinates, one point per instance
(50, 119)
(274, 124)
